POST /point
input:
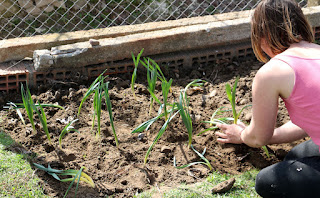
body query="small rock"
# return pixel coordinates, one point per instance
(223, 186)
(197, 118)
(248, 116)
(243, 101)
(94, 42)
(165, 149)
(213, 93)
(141, 136)
(224, 101)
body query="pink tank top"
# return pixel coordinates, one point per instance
(303, 104)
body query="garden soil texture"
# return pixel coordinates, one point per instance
(120, 171)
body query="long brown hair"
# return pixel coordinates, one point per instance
(280, 23)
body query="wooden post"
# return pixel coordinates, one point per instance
(313, 3)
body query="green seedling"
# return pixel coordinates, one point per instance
(96, 83)
(109, 106)
(213, 120)
(78, 175)
(14, 106)
(153, 73)
(183, 107)
(31, 107)
(28, 105)
(66, 130)
(201, 155)
(152, 79)
(100, 89)
(145, 126)
(43, 119)
(97, 104)
(134, 74)
(160, 133)
(232, 98)
(166, 86)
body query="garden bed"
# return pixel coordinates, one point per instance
(120, 171)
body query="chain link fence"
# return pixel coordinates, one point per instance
(20, 18)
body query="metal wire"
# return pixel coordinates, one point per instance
(20, 18)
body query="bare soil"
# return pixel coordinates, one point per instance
(120, 171)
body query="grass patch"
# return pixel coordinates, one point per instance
(17, 178)
(243, 187)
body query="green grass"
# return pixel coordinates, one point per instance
(17, 178)
(243, 187)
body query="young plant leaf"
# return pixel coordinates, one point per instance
(75, 174)
(43, 119)
(160, 133)
(185, 116)
(66, 130)
(109, 107)
(134, 74)
(28, 105)
(166, 86)
(201, 155)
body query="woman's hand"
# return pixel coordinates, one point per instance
(231, 133)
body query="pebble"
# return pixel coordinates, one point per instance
(213, 93)
(165, 149)
(243, 101)
(141, 136)
(94, 42)
(248, 116)
(224, 186)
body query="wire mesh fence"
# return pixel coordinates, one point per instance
(20, 18)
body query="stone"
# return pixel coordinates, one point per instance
(42, 58)
(223, 186)
(94, 42)
(248, 116)
(243, 101)
(213, 93)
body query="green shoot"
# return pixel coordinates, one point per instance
(97, 103)
(100, 89)
(66, 130)
(28, 105)
(166, 86)
(109, 106)
(201, 155)
(96, 83)
(183, 106)
(152, 79)
(265, 149)
(14, 106)
(232, 98)
(160, 133)
(134, 74)
(43, 119)
(75, 174)
(148, 63)
(148, 123)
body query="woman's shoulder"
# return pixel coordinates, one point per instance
(302, 50)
